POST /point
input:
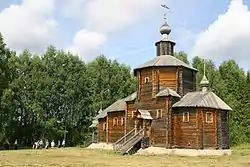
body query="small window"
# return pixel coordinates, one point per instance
(133, 114)
(159, 114)
(209, 117)
(104, 128)
(146, 80)
(115, 121)
(122, 121)
(185, 117)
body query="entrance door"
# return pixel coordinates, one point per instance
(143, 124)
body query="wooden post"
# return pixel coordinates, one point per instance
(139, 85)
(144, 127)
(197, 128)
(215, 128)
(167, 121)
(180, 82)
(202, 130)
(219, 131)
(107, 130)
(170, 135)
(136, 122)
(153, 84)
(125, 119)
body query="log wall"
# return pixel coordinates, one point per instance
(101, 131)
(117, 130)
(157, 77)
(208, 137)
(158, 130)
(145, 88)
(188, 81)
(168, 77)
(130, 123)
(184, 133)
(181, 80)
(224, 130)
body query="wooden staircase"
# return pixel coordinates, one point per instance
(127, 144)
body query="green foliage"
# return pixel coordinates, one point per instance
(55, 93)
(182, 56)
(109, 81)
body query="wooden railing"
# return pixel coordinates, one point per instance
(119, 143)
(128, 141)
(132, 141)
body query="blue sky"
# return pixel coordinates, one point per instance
(127, 30)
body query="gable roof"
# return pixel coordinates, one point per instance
(119, 105)
(131, 97)
(101, 114)
(164, 61)
(145, 114)
(167, 92)
(202, 99)
(94, 123)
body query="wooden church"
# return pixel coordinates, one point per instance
(166, 110)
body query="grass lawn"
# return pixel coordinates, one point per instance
(74, 157)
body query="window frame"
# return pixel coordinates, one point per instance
(211, 116)
(133, 113)
(115, 121)
(184, 116)
(159, 113)
(146, 80)
(104, 127)
(122, 121)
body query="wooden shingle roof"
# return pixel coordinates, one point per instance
(119, 105)
(167, 92)
(145, 114)
(165, 61)
(202, 99)
(94, 124)
(131, 97)
(102, 114)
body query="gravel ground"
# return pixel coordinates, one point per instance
(164, 151)
(182, 152)
(103, 146)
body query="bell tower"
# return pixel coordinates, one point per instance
(165, 46)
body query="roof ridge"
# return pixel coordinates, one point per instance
(165, 61)
(217, 97)
(201, 99)
(158, 59)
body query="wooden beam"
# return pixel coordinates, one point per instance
(197, 128)
(107, 130)
(167, 121)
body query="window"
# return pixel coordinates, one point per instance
(133, 114)
(185, 117)
(115, 121)
(122, 121)
(146, 80)
(209, 117)
(104, 127)
(159, 113)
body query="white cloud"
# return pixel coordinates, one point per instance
(87, 43)
(72, 8)
(228, 37)
(106, 16)
(28, 25)
(110, 15)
